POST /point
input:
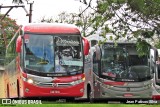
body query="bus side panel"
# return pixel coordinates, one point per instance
(19, 77)
(2, 85)
(12, 79)
(5, 83)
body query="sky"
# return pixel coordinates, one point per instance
(41, 8)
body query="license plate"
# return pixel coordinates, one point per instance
(128, 95)
(54, 91)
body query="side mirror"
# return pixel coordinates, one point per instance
(86, 46)
(18, 44)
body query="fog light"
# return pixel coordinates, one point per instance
(81, 90)
(30, 81)
(27, 90)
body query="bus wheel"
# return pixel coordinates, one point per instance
(70, 99)
(90, 96)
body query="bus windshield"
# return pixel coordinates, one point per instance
(122, 63)
(53, 53)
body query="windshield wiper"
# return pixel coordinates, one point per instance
(77, 70)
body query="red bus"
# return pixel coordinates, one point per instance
(45, 60)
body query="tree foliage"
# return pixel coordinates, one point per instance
(132, 18)
(8, 27)
(124, 18)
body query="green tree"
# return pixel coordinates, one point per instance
(139, 18)
(8, 27)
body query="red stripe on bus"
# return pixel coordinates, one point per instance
(114, 83)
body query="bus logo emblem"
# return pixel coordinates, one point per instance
(55, 85)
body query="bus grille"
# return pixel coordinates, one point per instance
(54, 84)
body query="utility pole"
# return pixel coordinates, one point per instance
(30, 10)
(10, 8)
(1, 19)
(16, 6)
(27, 14)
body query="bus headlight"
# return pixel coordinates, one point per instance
(30, 81)
(78, 81)
(148, 85)
(83, 78)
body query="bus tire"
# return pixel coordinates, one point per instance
(70, 99)
(90, 95)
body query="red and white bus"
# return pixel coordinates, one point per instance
(45, 60)
(117, 71)
(155, 65)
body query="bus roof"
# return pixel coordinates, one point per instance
(56, 28)
(120, 40)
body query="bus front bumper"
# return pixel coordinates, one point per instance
(31, 90)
